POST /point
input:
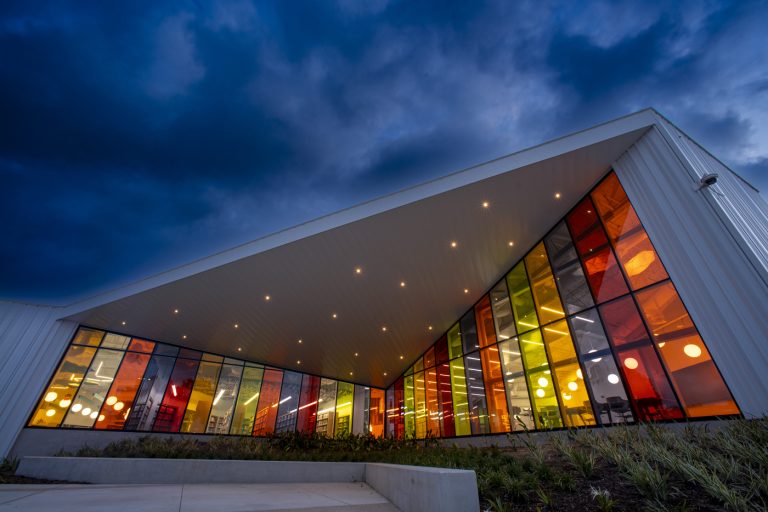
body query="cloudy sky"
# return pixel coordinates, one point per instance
(138, 136)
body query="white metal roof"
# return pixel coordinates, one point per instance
(308, 270)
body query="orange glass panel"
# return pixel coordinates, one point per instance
(266, 413)
(123, 391)
(548, 304)
(574, 398)
(486, 332)
(493, 378)
(58, 395)
(376, 415)
(138, 345)
(433, 404)
(429, 357)
(633, 248)
(697, 381)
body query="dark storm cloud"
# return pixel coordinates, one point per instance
(136, 136)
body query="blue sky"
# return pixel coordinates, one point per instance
(136, 136)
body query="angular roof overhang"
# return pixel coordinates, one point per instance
(308, 271)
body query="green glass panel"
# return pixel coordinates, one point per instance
(247, 401)
(522, 299)
(543, 398)
(454, 342)
(460, 403)
(344, 397)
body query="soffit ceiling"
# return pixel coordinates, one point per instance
(309, 271)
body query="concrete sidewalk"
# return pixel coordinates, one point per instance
(311, 497)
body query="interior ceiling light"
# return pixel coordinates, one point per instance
(429, 328)
(454, 244)
(466, 290)
(301, 341)
(239, 349)
(401, 357)
(384, 328)
(184, 337)
(123, 322)
(402, 284)
(358, 270)
(511, 243)
(334, 315)
(350, 373)
(356, 354)
(486, 204)
(267, 297)
(385, 374)
(298, 361)
(237, 326)
(175, 311)
(557, 195)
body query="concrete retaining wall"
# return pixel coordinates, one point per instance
(409, 488)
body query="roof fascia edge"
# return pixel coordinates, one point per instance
(550, 149)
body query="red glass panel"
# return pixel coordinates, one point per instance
(603, 273)
(376, 413)
(171, 411)
(486, 332)
(493, 378)
(266, 412)
(699, 385)
(630, 241)
(441, 350)
(649, 388)
(429, 357)
(399, 431)
(307, 414)
(119, 402)
(190, 354)
(446, 399)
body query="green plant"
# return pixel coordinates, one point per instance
(496, 505)
(602, 499)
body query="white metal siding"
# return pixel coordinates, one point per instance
(31, 342)
(714, 251)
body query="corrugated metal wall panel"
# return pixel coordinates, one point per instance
(714, 269)
(32, 341)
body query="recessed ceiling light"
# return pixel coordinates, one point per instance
(589, 211)
(301, 341)
(175, 311)
(239, 349)
(385, 374)
(267, 297)
(430, 327)
(466, 290)
(123, 322)
(298, 361)
(402, 284)
(334, 315)
(358, 270)
(557, 195)
(384, 328)
(454, 244)
(350, 373)
(184, 337)
(356, 354)
(236, 326)
(401, 357)
(486, 204)
(511, 243)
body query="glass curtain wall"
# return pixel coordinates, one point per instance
(586, 329)
(108, 381)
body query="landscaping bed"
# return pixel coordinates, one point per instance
(647, 467)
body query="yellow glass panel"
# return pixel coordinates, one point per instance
(460, 402)
(546, 411)
(421, 405)
(409, 406)
(201, 399)
(58, 395)
(344, 397)
(576, 406)
(90, 337)
(548, 304)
